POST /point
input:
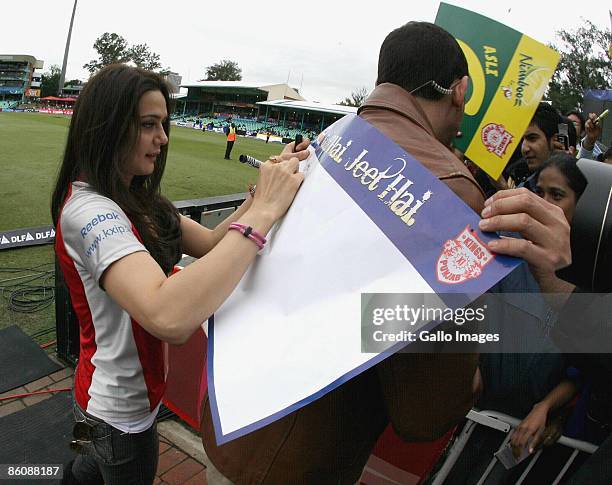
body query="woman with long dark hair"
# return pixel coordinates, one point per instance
(559, 181)
(117, 239)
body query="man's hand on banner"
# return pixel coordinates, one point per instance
(546, 246)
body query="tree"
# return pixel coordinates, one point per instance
(585, 64)
(357, 98)
(142, 56)
(114, 49)
(111, 49)
(225, 70)
(49, 81)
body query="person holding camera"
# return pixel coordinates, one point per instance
(578, 120)
(543, 136)
(117, 241)
(540, 136)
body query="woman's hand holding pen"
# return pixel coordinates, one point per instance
(279, 180)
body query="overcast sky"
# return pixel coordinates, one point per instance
(327, 48)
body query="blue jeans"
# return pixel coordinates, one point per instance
(114, 457)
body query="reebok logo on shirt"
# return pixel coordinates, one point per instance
(109, 216)
(116, 230)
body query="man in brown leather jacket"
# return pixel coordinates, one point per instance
(418, 103)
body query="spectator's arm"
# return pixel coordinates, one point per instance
(593, 132)
(532, 431)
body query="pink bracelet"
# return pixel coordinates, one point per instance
(248, 231)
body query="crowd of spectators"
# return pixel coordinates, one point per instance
(246, 126)
(552, 393)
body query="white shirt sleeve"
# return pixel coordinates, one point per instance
(590, 154)
(96, 232)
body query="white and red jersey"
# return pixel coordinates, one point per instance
(120, 374)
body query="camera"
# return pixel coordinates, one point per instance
(591, 232)
(563, 135)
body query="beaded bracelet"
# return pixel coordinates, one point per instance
(249, 232)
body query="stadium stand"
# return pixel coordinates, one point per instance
(19, 81)
(276, 109)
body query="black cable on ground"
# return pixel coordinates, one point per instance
(28, 290)
(43, 333)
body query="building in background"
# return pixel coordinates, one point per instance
(19, 81)
(174, 80)
(305, 116)
(72, 90)
(232, 98)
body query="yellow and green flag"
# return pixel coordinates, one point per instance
(509, 73)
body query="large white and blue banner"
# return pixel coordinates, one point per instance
(369, 218)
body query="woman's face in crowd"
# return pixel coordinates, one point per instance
(152, 113)
(552, 186)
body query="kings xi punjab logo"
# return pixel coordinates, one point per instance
(462, 258)
(496, 139)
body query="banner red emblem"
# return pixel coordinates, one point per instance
(462, 258)
(496, 138)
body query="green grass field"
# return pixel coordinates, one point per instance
(31, 147)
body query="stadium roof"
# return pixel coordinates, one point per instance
(310, 106)
(38, 64)
(274, 90)
(227, 84)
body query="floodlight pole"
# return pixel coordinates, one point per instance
(63, 74)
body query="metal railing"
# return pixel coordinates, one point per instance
(197, 208)
(505, 424)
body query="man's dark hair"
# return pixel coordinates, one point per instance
(417, 53)
(547, 119)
